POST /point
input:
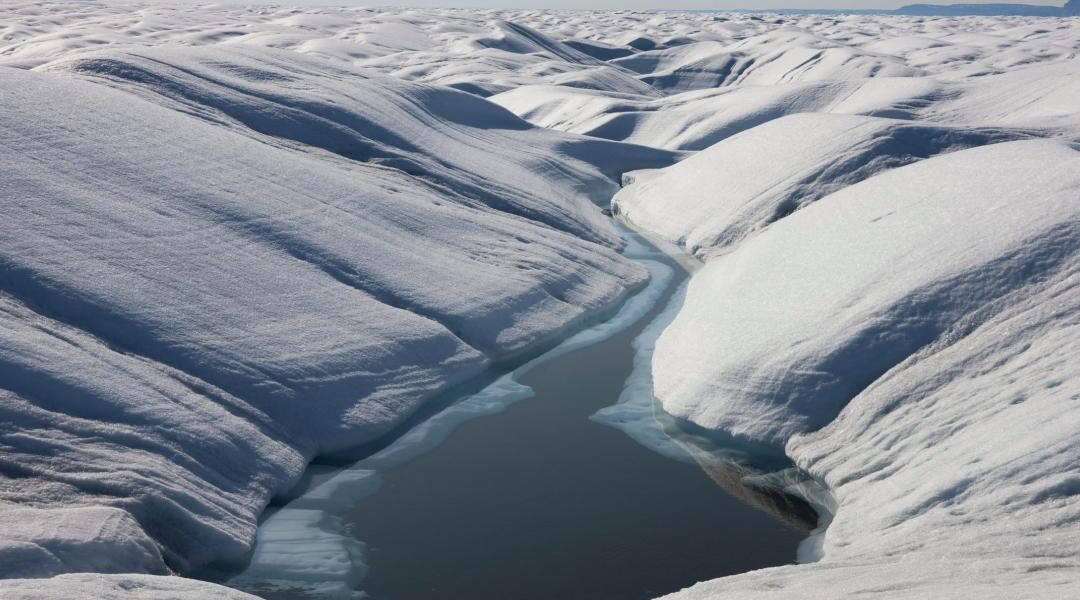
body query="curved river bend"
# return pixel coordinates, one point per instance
(498, 497)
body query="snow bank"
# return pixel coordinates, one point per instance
(42, 542)
(251, 304)
(116, 587)
(306, 545)
(910, 339)
(283, 231)
(743, 184)
(955, 472)
(778, 336)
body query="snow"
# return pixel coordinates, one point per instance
(698, 119)
(92, 538)
(955, 472)
(778, 335)
(305, 545)
(256, 302)
(908, 339)
(238, 237)
(117, 587)
(775, 169)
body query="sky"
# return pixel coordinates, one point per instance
(647, 4)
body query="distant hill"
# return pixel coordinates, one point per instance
(1029, 10)
(1071, 8)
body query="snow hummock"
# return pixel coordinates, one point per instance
(305, 544)
(776, 337)
(229, 304)
(908, 340)
(734, 188)
(238, 237)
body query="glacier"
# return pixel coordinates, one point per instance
(305, 544)
(237, 238)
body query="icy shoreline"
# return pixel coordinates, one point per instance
(256, 304)
(304, 544)
(881, 336)
(237, 238)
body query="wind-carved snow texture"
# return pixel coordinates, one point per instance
(305, 545)
(194, 305)
(922, 324)
(773, 170)
(235, 238)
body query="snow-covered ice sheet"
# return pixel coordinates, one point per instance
(777, 335)
(911, 340)
(193, 294)
(235, 237)
(773, 170)
(117, 587)
(305, 544)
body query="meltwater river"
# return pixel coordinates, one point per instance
(516, 493)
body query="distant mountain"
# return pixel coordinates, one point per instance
(1071, 8)
(1029, 10)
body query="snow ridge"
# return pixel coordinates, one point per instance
(238, 237)
(253, 303)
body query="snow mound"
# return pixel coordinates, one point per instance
(1042, 98)
(738, 186)
(248, 306)
(767, 59)
(920, 328)
(698, 119)
(696, 66)
(790, 54)
(778, 336)
(520, 39)
(46, 542)
(116, 587)
(956, 470)
(599, 50)
(457, 139)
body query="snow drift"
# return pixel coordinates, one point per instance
(909, 339)
(776, 337)
(236, 237)
(720, 195)
(214, 325)
(696, 120)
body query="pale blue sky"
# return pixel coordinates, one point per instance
(646, 4)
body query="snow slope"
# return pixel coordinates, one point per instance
(698, 119)
(248, 306)
(722, 194)
(779, 334)
(955, 472)
(237, 237)
(911, 340)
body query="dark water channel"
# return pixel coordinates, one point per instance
(538, 502)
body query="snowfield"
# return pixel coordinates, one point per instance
(236, 238)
